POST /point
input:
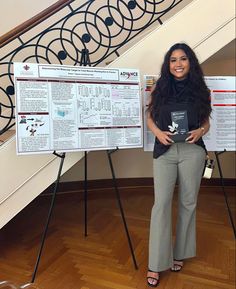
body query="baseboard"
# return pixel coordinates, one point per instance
(125, 183)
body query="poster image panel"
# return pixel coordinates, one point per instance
(68, 108)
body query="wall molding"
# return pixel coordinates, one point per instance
(74, 186)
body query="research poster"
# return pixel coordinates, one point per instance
(68, 108)
(222, 134)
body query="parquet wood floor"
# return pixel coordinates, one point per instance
(102, 260)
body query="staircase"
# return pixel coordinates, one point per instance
(23, 178)
(212, 27)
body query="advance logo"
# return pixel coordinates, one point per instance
(129, 75)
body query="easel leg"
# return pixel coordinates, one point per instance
(225, 195)
(84, 61)
(85, 194)
(62, 156)
(121, 208)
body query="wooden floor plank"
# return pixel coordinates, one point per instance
(102, 260)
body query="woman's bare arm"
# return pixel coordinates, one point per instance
(196, 134)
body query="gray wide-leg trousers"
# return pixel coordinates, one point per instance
(183, 162)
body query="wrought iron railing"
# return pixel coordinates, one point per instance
(103, 27)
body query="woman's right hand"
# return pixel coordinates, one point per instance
(163, 137)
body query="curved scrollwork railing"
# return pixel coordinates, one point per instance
(104, 27)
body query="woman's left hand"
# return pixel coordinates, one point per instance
(195, 135)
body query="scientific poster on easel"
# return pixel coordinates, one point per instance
(222, 134)
(67, 108)
(148, 141)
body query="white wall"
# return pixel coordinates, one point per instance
(20, 11)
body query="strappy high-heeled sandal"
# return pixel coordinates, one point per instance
(156, 278)
(177, 266)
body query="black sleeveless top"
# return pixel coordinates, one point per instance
(180, 100)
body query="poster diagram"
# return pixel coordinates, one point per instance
(68, 108)
(222, 134)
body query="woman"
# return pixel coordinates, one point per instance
(178, 116)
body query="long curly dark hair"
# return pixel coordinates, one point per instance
(196, 84)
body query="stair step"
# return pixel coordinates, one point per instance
(6, 136)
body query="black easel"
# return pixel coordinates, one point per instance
(62, 157)
(84, 61)
(223, 189)
(109, 152)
